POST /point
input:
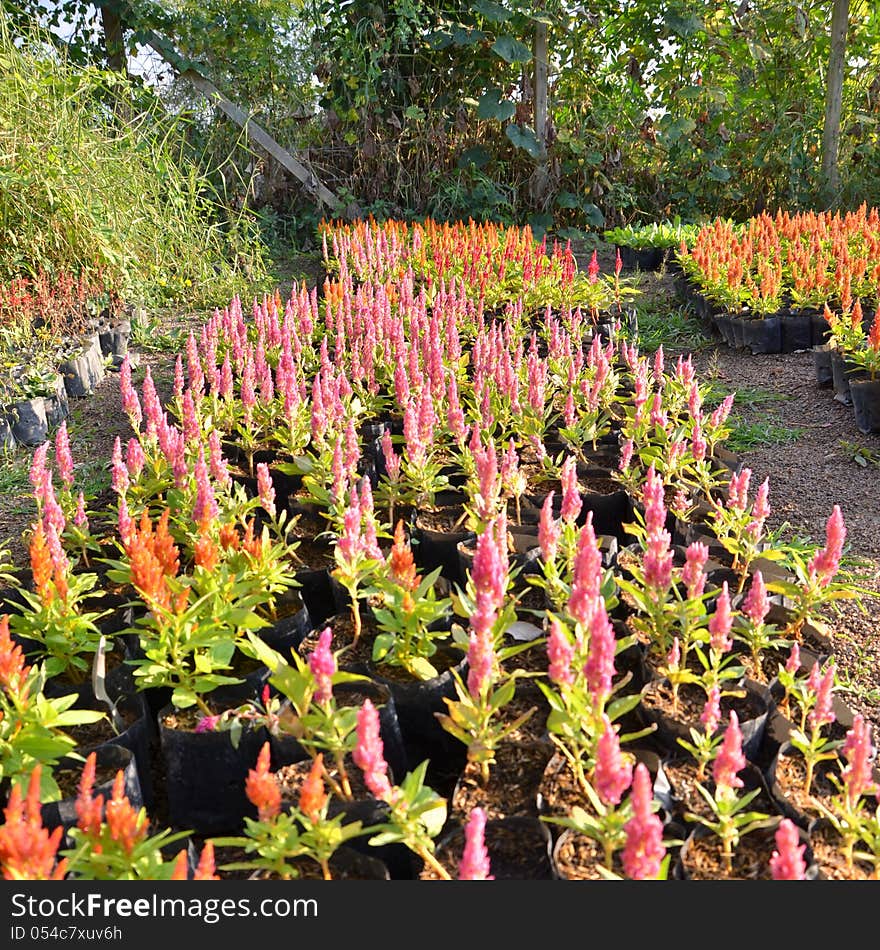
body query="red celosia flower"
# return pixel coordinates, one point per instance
(261, 787)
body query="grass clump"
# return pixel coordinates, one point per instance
(95, 178)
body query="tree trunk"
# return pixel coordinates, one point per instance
(114, 40)
(834, 101)
(540, 56)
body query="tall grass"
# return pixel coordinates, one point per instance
(83, 188)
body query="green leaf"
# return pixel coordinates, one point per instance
(717, 173)
(462, 36)
(415, 113)
(593, 215)
(511, 50)
(523, 137)
(683, 26)
(493, 12)
(476, 156)
(492, 106)
(567, 199)
(422, 668)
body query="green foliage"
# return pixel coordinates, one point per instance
(83, 191)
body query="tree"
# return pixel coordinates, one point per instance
(834, 100)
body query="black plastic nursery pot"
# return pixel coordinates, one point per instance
(205, 774)
(842, 373)
(821, 329)
(737, 331)
(865, 395)
(646, 258)
(797, 332)
(724, 325)
(822, 366)
(763, 335)
(83, 371)
(28, 421)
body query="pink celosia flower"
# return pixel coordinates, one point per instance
(721, 623)
(474, 864)
(489, 571)
(826, 562)
(549, 530)
(119, 472)
(38, 472)
(560, 653)
(369, 754)
(644, 851)
(63, 457)
(692, 574)
(80, 519)
(793, 663)
(265, 489)
(134, 458)
(322, 664)
(730, 759)
(711, 714)
(587, 576)
(216, 462)
(673, 657)
(822, 713)
(599, 668)
(858, 751)
(480, 658)
(350, 541)
(130, 402)
(756, 604)
(613, 772)
(738, 489)
(205, 508)
(626, 454)
(787, 861)
(571, 499)
(207, 724)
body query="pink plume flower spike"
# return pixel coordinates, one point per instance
(474, 864)
(826, 562)
(63, 456)
(730, 760)
(560, 653)
(265, 489)
(322, 664)
(549, 530)
(644, 851)
(756, 604)
(80, 519)
(721, 623)
(822, 713)
(369, 753)
(857, 775)
(613, 772)
(787, 861)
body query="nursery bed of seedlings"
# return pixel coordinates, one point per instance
(427, 572)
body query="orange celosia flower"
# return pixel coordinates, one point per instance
(164, 547)
(206, 870)
(313, 796)
(229, 538)
(27, 849)
(251, 545)
(206, 553)
(261, 788)
(13, 670)
(181, 867)
(126, 824)
(89, 808)
(874, 333)
(41, 565)
(402, 566)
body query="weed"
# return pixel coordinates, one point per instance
(747, 436)
(673, 329)
(860, 454)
